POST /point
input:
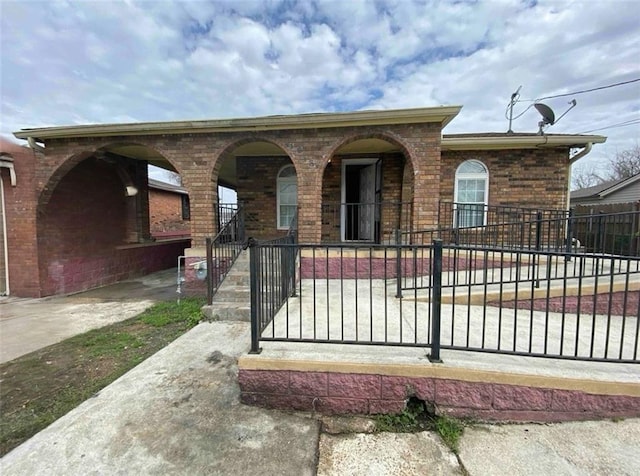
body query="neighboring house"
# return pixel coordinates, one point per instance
(607, 193)
(168, 210)
(352, 177)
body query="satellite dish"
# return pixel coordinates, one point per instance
(548, 117)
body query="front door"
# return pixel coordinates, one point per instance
(360, 179)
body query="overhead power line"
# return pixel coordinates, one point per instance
(619, 124)
(622, 83)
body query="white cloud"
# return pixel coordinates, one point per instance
(68, 62)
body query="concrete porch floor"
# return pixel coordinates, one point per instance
(330, 374)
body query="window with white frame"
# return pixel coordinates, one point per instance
(471, 194)
(287, 196)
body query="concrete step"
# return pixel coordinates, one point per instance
(226, 312)
(237, 298)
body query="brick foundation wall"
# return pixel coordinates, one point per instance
(364, 394)
(79, 273)
(523, 178)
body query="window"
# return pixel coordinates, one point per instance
(471, 190)
(186, 207)
(287, 196)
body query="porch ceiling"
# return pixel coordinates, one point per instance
(227, 175)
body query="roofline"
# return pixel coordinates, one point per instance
(440, 114)
(166, 187)
(622, 184)
(516, 141)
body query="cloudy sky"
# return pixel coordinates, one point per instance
(80, 62)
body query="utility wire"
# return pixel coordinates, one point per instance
(619, 124)
(584, 90)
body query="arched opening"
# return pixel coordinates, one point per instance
(261, 179)
(367, 191)
(94, 221)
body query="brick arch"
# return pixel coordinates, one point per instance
(385, 136)
(76, 158)
(226, 150)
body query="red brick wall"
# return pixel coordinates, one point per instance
(165, 212)
(198, 157)
(85, 219)
(20, 202)
(535, 178)
(257, 192)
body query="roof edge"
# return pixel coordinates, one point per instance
(618, 185)
(439, 114)
(515, 141)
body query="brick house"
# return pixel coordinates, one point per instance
(349, 177)
(168, 210)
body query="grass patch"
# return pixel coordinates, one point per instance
(416, 417)
(38, 388)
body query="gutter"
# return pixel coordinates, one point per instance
(587, 148)
(34, 145)
(4, 228)
(441, 114)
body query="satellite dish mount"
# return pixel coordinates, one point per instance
(548, 116)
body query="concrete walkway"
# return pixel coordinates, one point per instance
(27, 325)
(179, 413)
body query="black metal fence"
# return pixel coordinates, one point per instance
(223, 249)
(522, 302)
(374, 222)
(548, 230)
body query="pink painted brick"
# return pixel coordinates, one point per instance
(454, 393)
(511, 397)
(573, 401)
(264, 381)
(405, 387)
(342, 406)
(308, 383)
(354, 385)
(388, 407)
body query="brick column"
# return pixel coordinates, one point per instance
(425, 159)
(203, 195)
(309, 198)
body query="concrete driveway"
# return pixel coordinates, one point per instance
(27, 325)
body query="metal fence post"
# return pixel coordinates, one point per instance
(398, 264)
(253, 278)
(209, 245)
(436, 299)
(538, 247)
(569, 244)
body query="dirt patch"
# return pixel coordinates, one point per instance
(38, 388)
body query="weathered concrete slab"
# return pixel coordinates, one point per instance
(176, 413)
(27, 325)
(602, 448)
(382, 454)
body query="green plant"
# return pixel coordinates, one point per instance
(450, 430)
(164, 313)
(417, 417)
